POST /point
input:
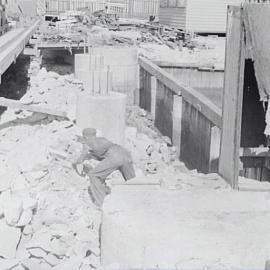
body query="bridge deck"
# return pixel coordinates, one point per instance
(12, 44)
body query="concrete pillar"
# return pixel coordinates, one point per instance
(103, 112)
(81, 65)
(123, 63)
(87, 62)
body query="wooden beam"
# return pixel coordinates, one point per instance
(232, 97)
(254, 152)
(194, 65)
(196, 99)
(16, 104)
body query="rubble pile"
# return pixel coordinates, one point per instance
(42, 91)
(156, 42)
(156, 158)
(47, 219)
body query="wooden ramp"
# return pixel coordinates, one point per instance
(16, 104)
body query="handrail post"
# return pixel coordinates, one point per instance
(153, 96)
(177, 123)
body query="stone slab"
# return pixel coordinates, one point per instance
(149, 227)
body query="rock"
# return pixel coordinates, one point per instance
(8, 264)
(92, 261)
(4, 182)
(18, 267)
(28, 230)
(13, 208)
(156, 157)
(10, 238)
(22, 254)
(25, 218)
(52, 259)
(37, 252)
(52, 74)
(30, 155)
(85, 235)
(41, 239)
(58, 247)
(70, 264)
(151, 167)
(34, 265)
(130, 133)
(167, 140)
(19, 183)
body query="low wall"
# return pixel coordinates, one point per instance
(189, 118)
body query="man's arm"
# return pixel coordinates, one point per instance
(84, 155)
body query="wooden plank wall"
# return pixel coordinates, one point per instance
(184, 115)
(164, 109)
(196, 139)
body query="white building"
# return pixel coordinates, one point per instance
(201, 16)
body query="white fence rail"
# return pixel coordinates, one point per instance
(129, 9)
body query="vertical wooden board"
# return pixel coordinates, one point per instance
(195, 139)
(214, 149)
(142, 87)
(153, 96)
(164, 110)
(177, 123)
(232, 98)
(148, 92)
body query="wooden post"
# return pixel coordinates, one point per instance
(214, 149)
(153, 96)
(232, 98)
(177, 123)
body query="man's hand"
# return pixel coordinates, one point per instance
(80, 139)
(78, 168)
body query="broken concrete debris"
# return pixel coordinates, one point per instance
(47, 219)
(10, 238)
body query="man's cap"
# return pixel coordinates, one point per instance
(88, 132)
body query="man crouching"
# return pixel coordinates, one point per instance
(111, 156)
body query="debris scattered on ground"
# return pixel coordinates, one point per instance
(156, 42)
(45, 209)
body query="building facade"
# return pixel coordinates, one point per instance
(200, 16)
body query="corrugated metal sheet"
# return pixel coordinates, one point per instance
(174, 17)
(208, 16)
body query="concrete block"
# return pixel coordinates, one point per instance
(146, 227)
(105, 113)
